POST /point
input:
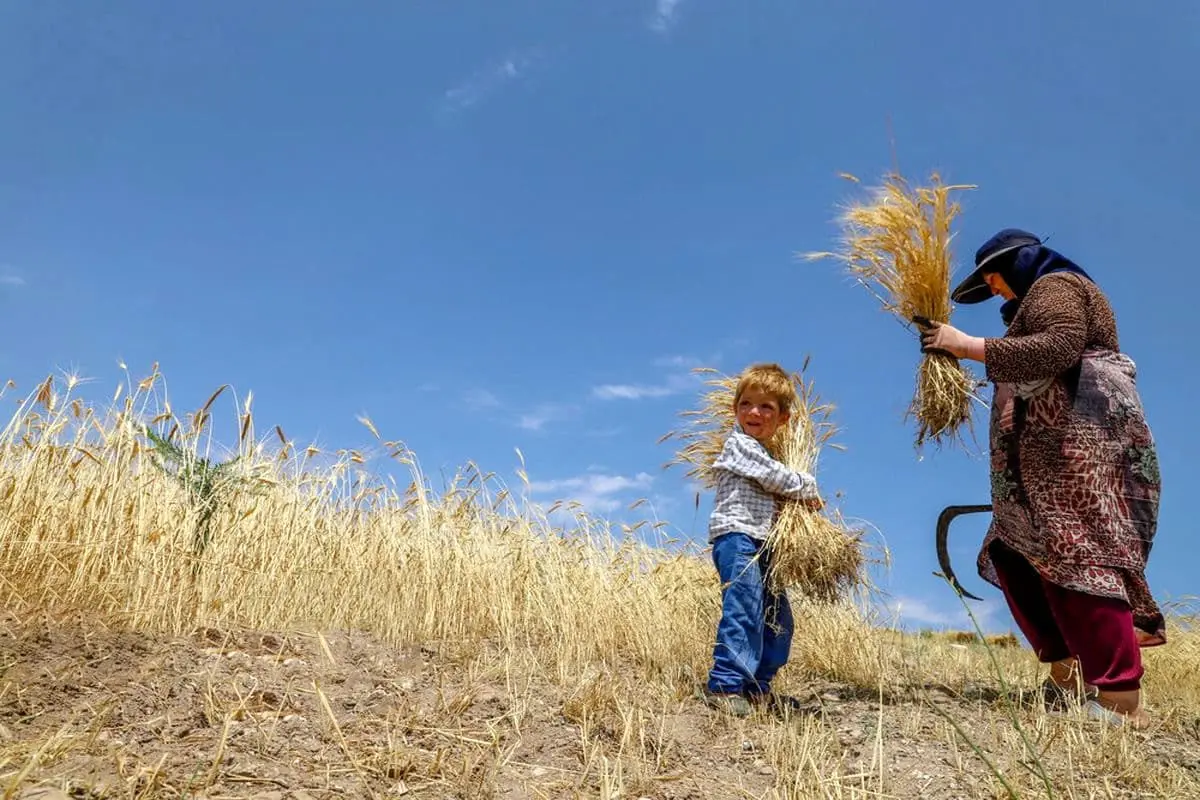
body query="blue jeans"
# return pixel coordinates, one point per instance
(754, 636)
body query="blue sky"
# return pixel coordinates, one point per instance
(509, 225)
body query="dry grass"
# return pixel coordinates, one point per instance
(612, 632)
(302, 537)
(896, 244)
(811, 552)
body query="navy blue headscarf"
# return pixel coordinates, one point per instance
(1032, 262)
(1021, 259)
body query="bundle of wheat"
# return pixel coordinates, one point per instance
(812, 552)
(897, 245)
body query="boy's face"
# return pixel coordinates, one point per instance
(759, 415)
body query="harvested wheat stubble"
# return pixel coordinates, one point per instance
(813, 552)
(897, 245)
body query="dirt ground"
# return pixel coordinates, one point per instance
(92, 712)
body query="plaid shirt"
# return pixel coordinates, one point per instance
(749, 481)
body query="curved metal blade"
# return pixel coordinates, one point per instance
(943, 552)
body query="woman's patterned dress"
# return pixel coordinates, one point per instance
(1075, 478)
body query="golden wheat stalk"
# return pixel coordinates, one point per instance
(810, 551)
(896, 244)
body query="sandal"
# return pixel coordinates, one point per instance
(1138, 721)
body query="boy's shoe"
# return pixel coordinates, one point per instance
(781, 704)
(731, 703)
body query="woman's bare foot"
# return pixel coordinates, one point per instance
(1128, 705)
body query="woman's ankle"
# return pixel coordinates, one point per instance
(1123, 702)
(1067, 675)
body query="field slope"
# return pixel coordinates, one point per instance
(276, 622)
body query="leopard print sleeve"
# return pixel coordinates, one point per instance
(1048, 335)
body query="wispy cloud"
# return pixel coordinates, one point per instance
(9, 279)
(678, 362)
(630, 391)
(670, 385)
(913, 611)
(598, 493)
(543, 415)
(487, 81)
(666, 14)
(480, 399)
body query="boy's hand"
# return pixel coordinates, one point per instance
(815, 504)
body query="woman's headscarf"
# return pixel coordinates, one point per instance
(1021, 259)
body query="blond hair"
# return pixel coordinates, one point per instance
(772, 380)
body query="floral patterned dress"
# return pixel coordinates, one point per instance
(1075, 477)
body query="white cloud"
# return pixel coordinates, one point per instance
(8, 279)
(666, 13)
(480, 399)
(488, 81)
(913, 611)
(597, 493)
(538, 418)
(677, 362)
(627, 391)
(673, 384)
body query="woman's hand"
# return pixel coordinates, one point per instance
(939, 337)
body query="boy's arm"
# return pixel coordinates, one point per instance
(753, 462)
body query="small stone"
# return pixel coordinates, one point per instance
(851, 736)
(294, 662)
(408, 684)
(747, 746)
(540, 772)
(43, 793)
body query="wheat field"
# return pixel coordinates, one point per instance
(130, 515)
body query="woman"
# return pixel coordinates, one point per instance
(1075, 478)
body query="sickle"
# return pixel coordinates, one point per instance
(943, 552)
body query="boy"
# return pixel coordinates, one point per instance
(754, 635)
